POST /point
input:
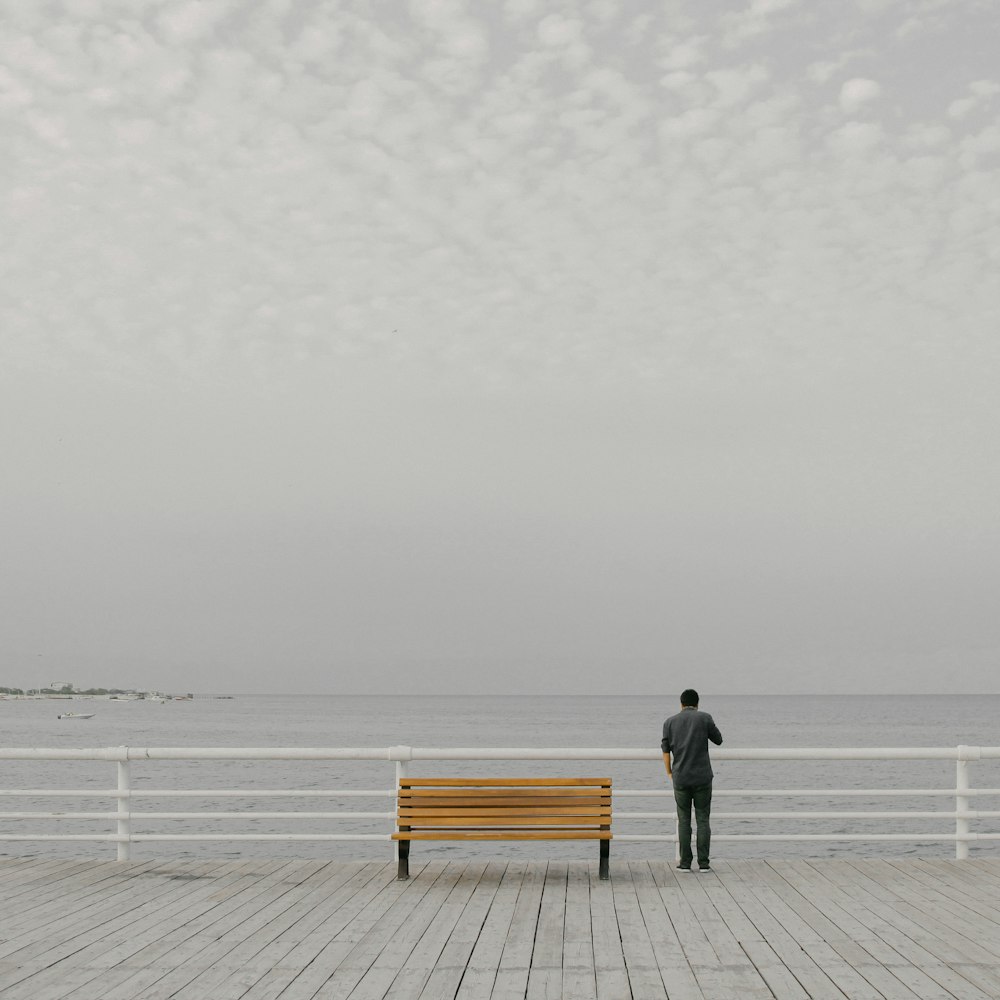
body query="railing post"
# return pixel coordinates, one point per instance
(124, 807)
(402, 756)
(965, 754)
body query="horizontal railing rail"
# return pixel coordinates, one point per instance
(125, 815)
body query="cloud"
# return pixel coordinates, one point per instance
(734, 86)
(856, 93)
(191, 20)
(697, 121)
(826, 69)
(985, 88)
(683, 55)
(304, 187)
(856, 138)
(979, 147)
(757, 19)
(456, 34)
(981, 93)
(933, 135)
(558, 31)
(522, 10)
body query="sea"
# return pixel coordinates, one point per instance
(325, 720)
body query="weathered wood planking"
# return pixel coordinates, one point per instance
(498, 930)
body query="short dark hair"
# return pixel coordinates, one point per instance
(689, 698)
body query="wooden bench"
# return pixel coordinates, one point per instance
(503, 809)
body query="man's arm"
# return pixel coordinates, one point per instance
(713, 732)
(666, 761)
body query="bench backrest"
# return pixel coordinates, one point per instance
(521, 804)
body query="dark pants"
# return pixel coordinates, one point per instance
(701, 797)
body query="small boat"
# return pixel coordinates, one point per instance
(76, 715)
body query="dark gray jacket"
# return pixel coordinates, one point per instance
(686, 736)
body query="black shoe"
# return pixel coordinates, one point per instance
(704, 868)
(684, 868)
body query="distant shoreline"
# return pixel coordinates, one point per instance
(78, 696)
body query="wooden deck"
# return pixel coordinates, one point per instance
(211, 930)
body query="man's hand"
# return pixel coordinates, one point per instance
(666, 761)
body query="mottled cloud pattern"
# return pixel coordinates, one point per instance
(501, 346)
(507, 184)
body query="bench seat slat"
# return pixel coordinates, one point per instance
(488, 809)
(542, 820)
(522, 809)
(506, 801)
(411, 781)
(504, 835)
(515, 807)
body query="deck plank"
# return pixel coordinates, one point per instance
(447, 975)
(924, 921)
(769, 916)
(191, 940)
(579, 972)
(609, 956)
(69, 942)
(640, 959)
(545, 972)
(379, 957)
(917, 949)
(496, 930)
(769, 976)
(408, 979)
(382, 927)
(676, 974)
(259, 944)
(480, 972)
(339, 922)
(511, 980)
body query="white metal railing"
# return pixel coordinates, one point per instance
(125, 795)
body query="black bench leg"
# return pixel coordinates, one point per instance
(403, 871)
(605, 858)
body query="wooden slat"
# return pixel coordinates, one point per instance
(505, 800)
(521, 823)
(491, 809)
(480, 834)
(507, 819)
(595, 813)
(609, 958)
(472, 820)
(668, 953)
(389, 939)
(480, 972)
(579, 971)
(376, 912)
(511, 981)
(640, 958)
(546, 971)
(589, 791)
(404, 965)
(71, 945)
(742, 977)
(501, 782)
(812, 932)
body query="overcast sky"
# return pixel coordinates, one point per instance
(522, 346)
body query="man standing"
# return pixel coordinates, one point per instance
(686, 736)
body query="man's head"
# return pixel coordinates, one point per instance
(689, 698)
